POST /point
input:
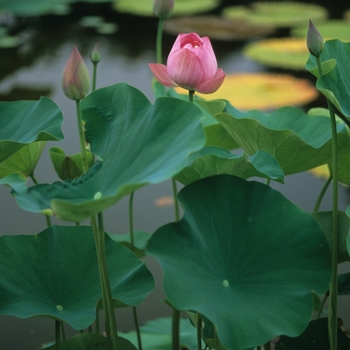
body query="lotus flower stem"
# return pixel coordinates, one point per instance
(81, 138)
(132, 242)
(57, 335)
(199, 331)
(322, 193)
(176, 329)
(111, 325)
(159, 40)
(333, 288)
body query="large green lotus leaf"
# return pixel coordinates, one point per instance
(298, 141)
(216, 134)
(54, 273)
(315, 337)
(181, 7)
(243, 253)
(210, 161)
(24, 160)
(138, 143)
(325, 220)
(335, 82)
(23, 122)
(156, 335)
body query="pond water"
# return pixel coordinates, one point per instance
(37, 65)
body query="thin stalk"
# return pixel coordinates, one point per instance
(97, 323)
(107, 285)
(267, 182)
(176, 313)
(267, 346)
(199, 331)
(176, 202)
(94, 75)
(131, 221)
(57, 334)
(322, 193)
(111, 326)
(63, 332)
(81, 138)
(132, 242)
(333, 287)
(104, 296)
(176, 329)
(159, 41)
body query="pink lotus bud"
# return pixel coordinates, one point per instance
(163, 8)
(191, 65)
(314, 40)
(75, 78)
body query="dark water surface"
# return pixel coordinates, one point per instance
(38, 64)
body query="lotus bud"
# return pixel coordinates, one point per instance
(75, 78)
(314, 40)
(163, 8)
(95, 56)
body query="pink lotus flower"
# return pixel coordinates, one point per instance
(191, 65)
(75, 77)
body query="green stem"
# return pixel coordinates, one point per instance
(94, 75)
(267, 182)
(176, 202)
(111, 325)
(322, 193)
(131, 221)
(104, 296)
(176, 329)
(97, 323)
(190, 95)
(333, 287)
(132, 242)
(267, 346)
(57, 334)
(159, 40)
(199, 331)
(81, 138)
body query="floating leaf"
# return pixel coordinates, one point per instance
(287, 53)
(23, 122)
(7, 41)
(315, 337)
(216, 27)
(35, 8)
(298, 141)
(139, 143)
(276, 13)
(263, 91)
(331, 29)
(243, 253)
(210, 161)
(182, 7)
(23, 161)
(55, 273)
